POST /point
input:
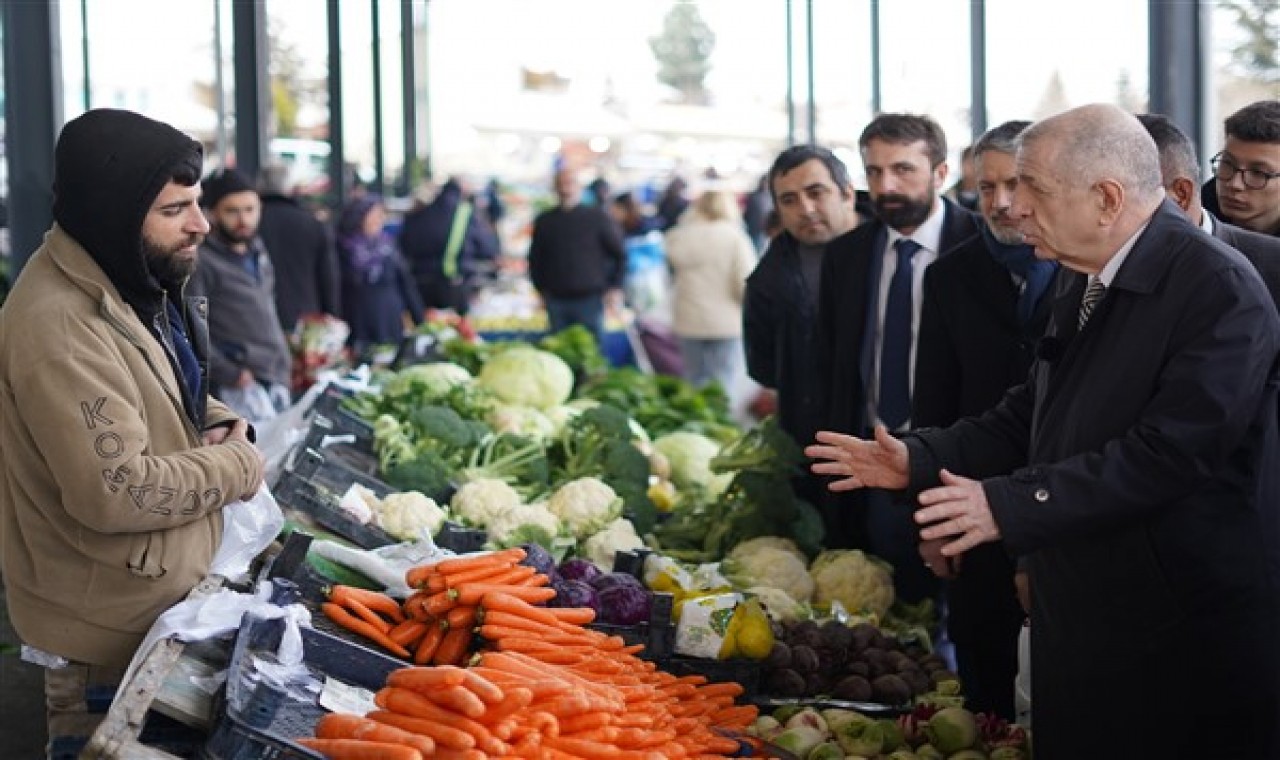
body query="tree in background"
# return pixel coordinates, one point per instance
(683, 52)
(1258, 54)
(291, 88)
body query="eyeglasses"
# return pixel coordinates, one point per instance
(1254, 179)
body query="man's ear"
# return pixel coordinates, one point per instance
(940, 175)
(1183, 191)
(1111, 198)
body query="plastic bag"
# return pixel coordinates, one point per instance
(254, 403)
(214, 615)
(248, 527)
(386, 565)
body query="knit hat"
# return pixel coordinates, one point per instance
(223, 183)
(109, 167)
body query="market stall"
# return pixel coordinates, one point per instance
(519, 529)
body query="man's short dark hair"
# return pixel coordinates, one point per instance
(905, 129)
(799, 154)
(1256, 122)
(1001, 139)
(1177, 154)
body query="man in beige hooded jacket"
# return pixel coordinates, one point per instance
(114, 462)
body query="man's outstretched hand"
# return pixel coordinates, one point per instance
(956, 511)
(858, 463)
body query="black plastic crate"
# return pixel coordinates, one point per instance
(328, 410)
(321, 505)
(257, 720)
(742, 671)
(460, 539)
(658, 634)
(324, 468)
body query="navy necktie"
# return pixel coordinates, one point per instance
(895, 348)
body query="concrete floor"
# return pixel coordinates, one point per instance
(22, 731)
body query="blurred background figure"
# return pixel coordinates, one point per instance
(711, 257)
(645, 284)
(576, 259)
(377, 288)
(755, 213)
(301, 249)
(672, 203)
(965, 190)
(447, 245)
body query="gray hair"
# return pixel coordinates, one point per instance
(1101, 141)
(1001, 139)
(1177, 154)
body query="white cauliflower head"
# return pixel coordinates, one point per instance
(778, 542)
(585, 505)
(408, 515)
(689, 455)
(860, 582)
(521, 420)
(528, 376)
(768, 565)
(479, 501)
(524, 523)
(618, 536)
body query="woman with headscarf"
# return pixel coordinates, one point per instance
(377, 288)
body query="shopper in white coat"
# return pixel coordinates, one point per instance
(710, 256)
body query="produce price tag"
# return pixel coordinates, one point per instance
(342, 697)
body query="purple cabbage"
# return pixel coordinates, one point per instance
(609, 580)
(574, 594)
(539, 559)
(624, 604)
(578, 569)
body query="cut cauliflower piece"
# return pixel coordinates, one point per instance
(860, 582)
(524, 523)
(618, 536)
(408, 515)
(689, 455)
(585, 505)
(479, 501)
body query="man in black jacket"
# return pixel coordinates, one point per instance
(868, 317)
(301, 250)
(1135, 471)
(576, 259)
(1180, 172)
(984, 311)
(815, 200)
(446, 242)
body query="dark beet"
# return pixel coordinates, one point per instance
(853, 689)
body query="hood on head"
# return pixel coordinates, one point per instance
(109, 166)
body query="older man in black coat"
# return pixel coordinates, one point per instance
(1135, 470)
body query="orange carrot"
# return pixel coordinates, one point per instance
(445, 736)
(341, 726)
(504, 557)
(509, 576)
(426, 679)
(473, 593)
(513, 701)
(461, 617)
(355, 749)
(356, 625)
(380, 603)
(437, 605)
(408, 633)
(415, 705)
(573, 615)
(730, 688)
(498, 601)
(534, 581)
(453, 648)
(431, 640)
(575, 724)
(486, 690)
(458, 699)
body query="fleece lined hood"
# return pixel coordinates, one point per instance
(109, 167)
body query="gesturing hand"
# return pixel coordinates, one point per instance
(859, 463)
(957, 509)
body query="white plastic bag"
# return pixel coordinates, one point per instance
(210, 616)
(248, 527)
(255, 403)
(386, 565)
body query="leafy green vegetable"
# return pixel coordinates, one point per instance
(664, 404)
(577, 346)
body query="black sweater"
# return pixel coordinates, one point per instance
(576, 252)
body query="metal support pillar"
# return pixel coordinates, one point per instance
(252, 90)
(379, 149)
(876, 100)
(791, 95)
(977, 67)
(811, 108)
(337, 159)
(33, 117)
(408, 63)
(1178, 50)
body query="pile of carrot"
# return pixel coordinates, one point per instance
(545, 687)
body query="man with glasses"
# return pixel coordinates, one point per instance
(1245, 189)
